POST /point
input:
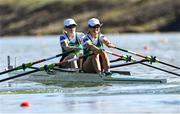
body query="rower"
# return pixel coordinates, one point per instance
(93, 42)
(71, 40)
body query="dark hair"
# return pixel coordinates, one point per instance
(70, 26)
(95, 26)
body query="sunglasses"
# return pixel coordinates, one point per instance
(96, 26)
(70, 26)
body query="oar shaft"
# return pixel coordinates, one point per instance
(6, 71)
(168, 64)
(118, 59)
(19, 75)
(42, 60)
(58, 55)
(113, 53)
(126, 64)
(131, 52)
(161, 69)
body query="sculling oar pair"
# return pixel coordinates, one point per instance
(45, 67)
(141, 62)
(27, 65)
(147, 57)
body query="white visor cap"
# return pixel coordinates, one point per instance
(69, 22)
(94, 21)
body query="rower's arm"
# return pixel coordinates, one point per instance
(66, 46)
(92, 47)
(108, 44)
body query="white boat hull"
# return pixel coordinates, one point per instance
(62, 77)
(90, 78)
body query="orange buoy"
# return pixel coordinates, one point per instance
(25, 104)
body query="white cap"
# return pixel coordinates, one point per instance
(69, 22)
(94, 21)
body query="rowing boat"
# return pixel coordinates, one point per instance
(66, 76)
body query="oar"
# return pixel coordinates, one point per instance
(115, 60)
(24, 66)
(133, 60)
(127, 64)
(147, 57)
(45, 67)
(161, 69)
(126, 58)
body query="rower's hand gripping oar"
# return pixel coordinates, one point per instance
(153, 59)
(45, 67)
(24, 66)
(126, 58)
(141, 62)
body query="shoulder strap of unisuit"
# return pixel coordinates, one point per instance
(99, 44)
(78, 40)
(67, 36)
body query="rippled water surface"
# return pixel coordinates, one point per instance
(119, 98)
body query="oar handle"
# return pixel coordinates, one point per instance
(74, 59)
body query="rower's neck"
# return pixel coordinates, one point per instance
(94, 36)
(71, 35)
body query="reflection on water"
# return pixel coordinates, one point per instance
(60, 103)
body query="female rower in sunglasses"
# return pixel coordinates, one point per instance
(71, 40)
(93, 42)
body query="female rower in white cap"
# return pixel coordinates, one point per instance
(93, 42)
(71, 40)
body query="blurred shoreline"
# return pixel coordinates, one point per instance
(45, 17)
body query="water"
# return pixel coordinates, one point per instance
(121, 98)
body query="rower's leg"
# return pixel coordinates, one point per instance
(96, 63)
(80, 62)
(72, 64)
(92, 65)
(88, 66)
(105, 61)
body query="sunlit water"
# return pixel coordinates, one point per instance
(121, 98)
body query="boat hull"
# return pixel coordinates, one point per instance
(60, 77)
(69, 77)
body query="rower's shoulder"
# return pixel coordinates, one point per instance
(80, 33)
(62, 37)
